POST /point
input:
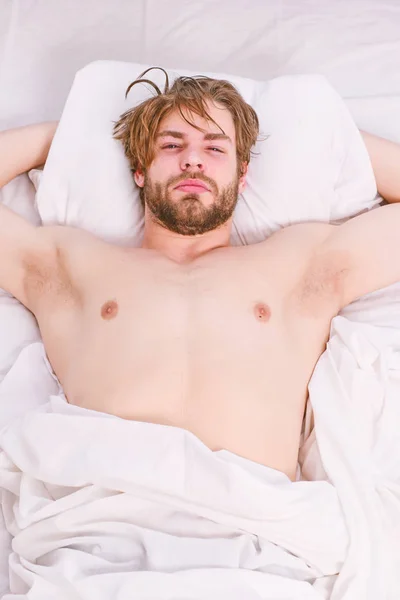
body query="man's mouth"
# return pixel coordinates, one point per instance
(192, 185)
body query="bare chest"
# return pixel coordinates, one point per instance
(150, 340)
(188, 325)
(230, 294)
(158, 296)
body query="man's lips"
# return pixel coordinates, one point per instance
(192, 185)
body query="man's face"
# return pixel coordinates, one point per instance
(193, 183)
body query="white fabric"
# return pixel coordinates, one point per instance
(18, 327)
(27, 384)
(355, 393)
(118, 497)
(355, 45)
(312, 164)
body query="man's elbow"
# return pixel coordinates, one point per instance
(385, 160)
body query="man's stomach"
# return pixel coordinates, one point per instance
(248, 404)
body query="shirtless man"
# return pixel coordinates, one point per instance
(189, 331)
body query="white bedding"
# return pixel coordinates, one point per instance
(355, 389)
(154, 498)
(355, 45)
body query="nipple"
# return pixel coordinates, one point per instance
(109, 310)
(262, 312)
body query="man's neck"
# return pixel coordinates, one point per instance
(183, 248)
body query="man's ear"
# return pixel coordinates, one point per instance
(242, 180)
(139, 177)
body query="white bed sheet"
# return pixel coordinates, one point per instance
(355, 45)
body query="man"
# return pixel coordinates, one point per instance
(188, 331)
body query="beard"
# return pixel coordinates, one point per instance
(187, 215)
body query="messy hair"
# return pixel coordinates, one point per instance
(137, 128)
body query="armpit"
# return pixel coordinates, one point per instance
(47, 278)
(323, 283)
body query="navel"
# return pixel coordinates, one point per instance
(262, 312)
(109, 310)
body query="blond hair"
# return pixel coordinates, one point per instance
(137, 128)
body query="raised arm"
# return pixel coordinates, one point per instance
(363, 254)
(22, 246)
(24, 148)
(385, 160)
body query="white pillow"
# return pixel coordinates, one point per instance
(313, 166)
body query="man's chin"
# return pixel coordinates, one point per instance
(187, 222)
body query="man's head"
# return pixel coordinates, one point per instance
(189, 148)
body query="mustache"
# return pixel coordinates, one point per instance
(174, 181)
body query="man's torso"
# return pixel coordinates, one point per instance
(223, 346)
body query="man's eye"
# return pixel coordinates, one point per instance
(217, 150)
(170, 146)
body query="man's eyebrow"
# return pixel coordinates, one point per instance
(208, 136)
(170, 133)
(217, 136)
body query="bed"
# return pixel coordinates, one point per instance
(356, 48)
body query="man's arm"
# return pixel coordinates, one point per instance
(22, 246)
(385, 160)
(24, 148)
(362, 255)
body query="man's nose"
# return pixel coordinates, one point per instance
(191, 159)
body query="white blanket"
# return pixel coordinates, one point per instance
(134, 510)
(355, 395)
(103, 508)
